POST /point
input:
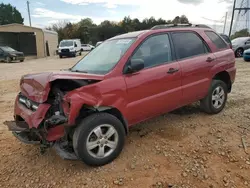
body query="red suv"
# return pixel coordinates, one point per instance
(85, 112)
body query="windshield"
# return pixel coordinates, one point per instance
(66, 43)
(8, 49)
(103, 58)
(239, 40)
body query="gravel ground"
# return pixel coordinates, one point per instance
(184, 148)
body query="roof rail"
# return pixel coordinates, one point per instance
(165, 26)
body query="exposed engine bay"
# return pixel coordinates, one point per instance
(53, 129)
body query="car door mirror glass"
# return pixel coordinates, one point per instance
(75, 45)
(135, 65)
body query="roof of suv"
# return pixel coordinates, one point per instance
(130, 34)
(139, 33)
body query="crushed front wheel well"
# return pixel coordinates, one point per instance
(224, 76)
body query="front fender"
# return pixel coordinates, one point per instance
(111, 92)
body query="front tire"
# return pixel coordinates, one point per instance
(216, 99)
(8, 59)
(99, 139)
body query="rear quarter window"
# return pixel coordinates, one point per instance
(218, 42)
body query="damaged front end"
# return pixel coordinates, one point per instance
(41, 112)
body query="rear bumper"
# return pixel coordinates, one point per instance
(246, 57)
(232, 74)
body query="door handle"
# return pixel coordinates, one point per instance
(210, 59)
(172, 70)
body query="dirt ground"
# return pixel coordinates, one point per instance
(185, 148)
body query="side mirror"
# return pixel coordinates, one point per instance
(57, 46)
(135, 65)
(75, 45)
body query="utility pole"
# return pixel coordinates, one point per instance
(232, 20)
(247, 16)
(225, 23)
(28, 6)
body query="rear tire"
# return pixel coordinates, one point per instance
(60, 57)
(216, 99)
(99, 139)
(21, 60)
(239, 52)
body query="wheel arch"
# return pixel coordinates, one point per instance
(88, 110)
(225, 77)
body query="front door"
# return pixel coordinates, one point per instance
(195, 61)
(157, 88)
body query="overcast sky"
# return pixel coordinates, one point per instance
(45, 12)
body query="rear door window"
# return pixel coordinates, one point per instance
(219, 43)
(188, 44)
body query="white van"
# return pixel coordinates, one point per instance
(70, 47)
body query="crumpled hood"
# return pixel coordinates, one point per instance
(37, 86)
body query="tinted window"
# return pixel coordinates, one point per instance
(219, 43)
(188, 44)
(154, 51)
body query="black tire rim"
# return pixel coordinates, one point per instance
(239, 53)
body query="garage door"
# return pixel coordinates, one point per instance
(24, 42)
(27, 43)
(9, 39)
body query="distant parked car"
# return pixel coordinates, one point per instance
(87, 47)
(240, 45)
(69, 48)
(8, 54)
(227, 39)
(246, 55)
(98, 43)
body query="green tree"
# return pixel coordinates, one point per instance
(89, 32)
(9, 14)
(241, 33)
(180, 20)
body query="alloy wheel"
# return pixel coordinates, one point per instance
(102, 141)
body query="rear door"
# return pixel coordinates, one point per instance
(157, 88)
(195, 61)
